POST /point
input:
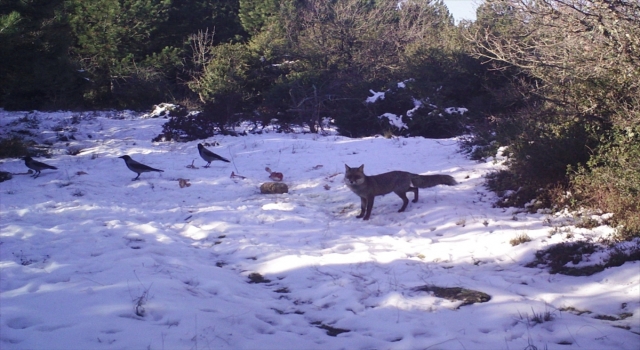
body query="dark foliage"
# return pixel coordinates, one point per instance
(36, 72)
(573, 110)
(186, 127)
(467, 296)
(558, 256)
(13, 147)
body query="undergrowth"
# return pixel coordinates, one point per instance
(13, 147)
(536, 317)
(611, 182)
(558, 256)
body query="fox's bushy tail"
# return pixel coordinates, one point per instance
(424, 181)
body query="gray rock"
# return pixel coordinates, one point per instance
(274, 188)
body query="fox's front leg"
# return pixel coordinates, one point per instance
(369, 201)
(363, 205)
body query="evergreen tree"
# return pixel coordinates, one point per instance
(187, 17)
(132, 50)
(255, 14)
(35, 72)
(115, 46)
(313, 58)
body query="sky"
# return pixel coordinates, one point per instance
(463, 9)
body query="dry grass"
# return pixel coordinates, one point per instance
(520, 239)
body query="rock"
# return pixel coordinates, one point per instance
(467, 296)
(4, 176)
(274, 188)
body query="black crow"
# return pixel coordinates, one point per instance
(37, 166)
(136, 167)
(209, 156)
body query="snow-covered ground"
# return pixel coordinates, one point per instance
(92, 260)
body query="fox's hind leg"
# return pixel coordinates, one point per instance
(415, 193)
(405, 200)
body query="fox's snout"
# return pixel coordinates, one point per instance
(353, 180)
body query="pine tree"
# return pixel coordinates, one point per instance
(35, 71)
(254, 14)
(114, 38)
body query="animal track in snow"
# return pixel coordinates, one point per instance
(22, 322)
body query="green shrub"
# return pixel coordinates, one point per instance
(183, 127)
(611, 181)
(513, 188)
(556, 257)
(354, 118)
(14, 147)
(433, 122)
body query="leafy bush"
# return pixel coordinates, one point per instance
(611, 181)
(186, 127)
(512, 188)
(13, 147)
(17, 147)
(540, 150)
(576, 112)
(436, 123)
(316, 59)
(558, 256)
(37, 72)
(354, 118)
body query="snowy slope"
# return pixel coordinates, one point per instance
(92, 260)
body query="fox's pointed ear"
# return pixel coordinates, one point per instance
(346, 167)
(361, 168)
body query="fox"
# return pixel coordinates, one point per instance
(398, 182)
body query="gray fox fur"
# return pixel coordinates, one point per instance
(398, 182)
